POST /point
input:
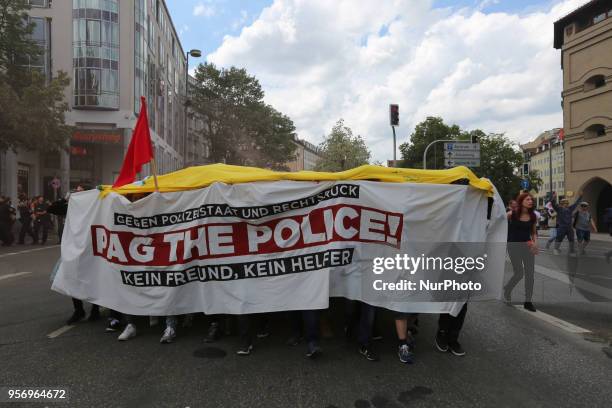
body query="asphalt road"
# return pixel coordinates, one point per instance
(514, 359)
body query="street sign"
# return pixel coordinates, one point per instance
(462, 154)
(461, 146)
(462, 162)
(524, 184)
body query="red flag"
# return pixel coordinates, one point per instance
(140, 150)
(561, 134)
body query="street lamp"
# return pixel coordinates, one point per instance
(196, 54)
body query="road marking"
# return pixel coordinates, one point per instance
(579, 283)
(555, 321)
(27, 251)
(13, 275)
(60, 331)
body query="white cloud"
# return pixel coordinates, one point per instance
(320, 60)
(204, 10)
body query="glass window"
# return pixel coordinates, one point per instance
(38, 33)
(37, 3)
(599, 18)
(93, 31)
(93, 81)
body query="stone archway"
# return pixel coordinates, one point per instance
(598, 193)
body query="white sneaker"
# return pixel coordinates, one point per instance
(128, 332)
(169, 335)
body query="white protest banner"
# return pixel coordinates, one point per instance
(261, 246)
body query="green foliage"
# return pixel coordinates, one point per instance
(241, 128)
(31, 107)
(432, 128)
(499, 156)
(341, 150)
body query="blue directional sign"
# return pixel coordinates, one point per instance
(524, 184)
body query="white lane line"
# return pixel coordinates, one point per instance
(13, 275)
(579, 283)
(562, 324)
(27, 251)
(59, 331)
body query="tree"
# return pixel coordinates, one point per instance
(499, 160)
(31, 107)
(499, 157)
(432, 128)
(341, 150)
(241, 128)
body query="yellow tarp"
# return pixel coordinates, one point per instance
(201, 176)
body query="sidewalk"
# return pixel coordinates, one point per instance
(595, 236)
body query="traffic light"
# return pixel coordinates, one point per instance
(394, 114)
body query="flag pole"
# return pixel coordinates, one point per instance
(154, 171)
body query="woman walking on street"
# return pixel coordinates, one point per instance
(522, 247)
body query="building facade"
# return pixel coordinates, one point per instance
(585, 39)
(545, 155)
(115, 52)
(307, 156)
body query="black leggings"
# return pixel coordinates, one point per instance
(523, 263)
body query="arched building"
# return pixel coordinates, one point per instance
(585, 39)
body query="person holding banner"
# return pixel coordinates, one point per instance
(522, 248)
(405, 349)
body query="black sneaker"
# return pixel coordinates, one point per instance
(456, 348)
(113, 325)
(529, 306)
(368, 353)
(213, 333)
(76, 316)
(245, 351)
(313, 351)
(441, 341)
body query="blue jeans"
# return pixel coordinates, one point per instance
(311, 321)
(562, 232)
(553, 235)
(583, 235)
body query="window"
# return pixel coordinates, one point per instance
(37, 3)
(596, 81)
(599, 17)
(93, 32)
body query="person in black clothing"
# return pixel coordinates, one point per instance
(59, 208)
(41, 221)
(522, 239)
(6, 221)
(25, 219)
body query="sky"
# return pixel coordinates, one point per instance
(486, 64)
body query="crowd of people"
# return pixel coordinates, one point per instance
(360, 317)
(563, 219)
(306, 326)
(33, 218)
